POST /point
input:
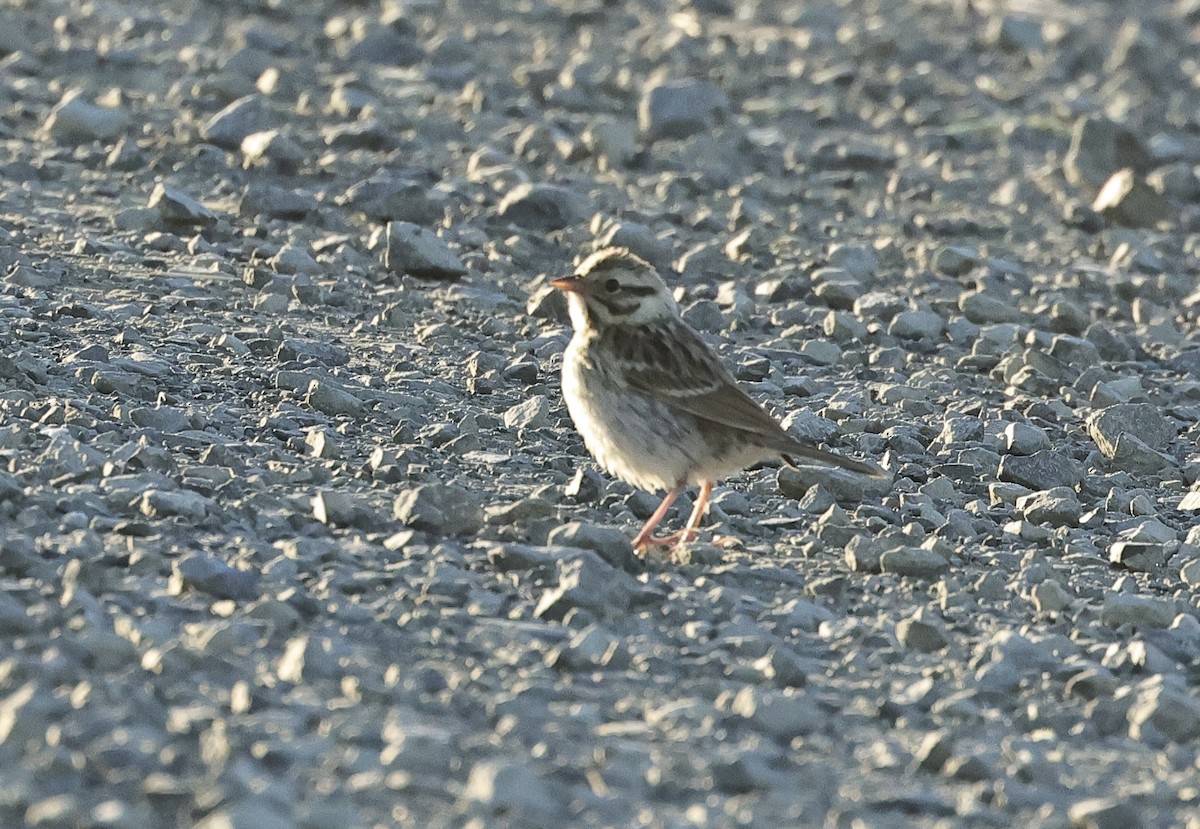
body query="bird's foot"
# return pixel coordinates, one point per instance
(675, 539)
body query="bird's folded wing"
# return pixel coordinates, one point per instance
(690, 377)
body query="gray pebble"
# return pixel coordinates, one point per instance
(609, 543)
(528, 414)
(174, 207)
(342, 509)
(586, 581)
(858, 261)
(440, 508)
(74, 120)
(1100, 148)
(914, 562)
(1045, 469)
(1142, 420)
(543, 206)
(1057, 507)
(982, 308)
(1104, 813)
(1024, 439)
(1126, 199)
(955, 261)
(917, 634)
(323, 444)
(211, 575)
(1139, 611)
(1164, 711)
(678, 109)
(415, 251)
(1050, 597)
(157, 503)
(229, 127)
(1142, 556)
(326, 397)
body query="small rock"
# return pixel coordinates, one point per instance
(1024, 439)
(393, 43)
(639, 239)
(914, 562)
(1050, 597)
(863, 554)
(781, 715)
(327, 398)
(1142, 420)
(229, 127)
(1104, 813)
(917, 634)
(418, 252)
(167, 419)
(593, 647)
(1163, 712)
(1139, 611)
(1100, 148)
(1057, 507)
(1017, 33)
(158, 503)
(176, 207)
(704, 315)
(1042, 470)
(1128, 200)
(440, 508)
(587, 485)
(843, 485)
(74, 120)
(528, 414)
(858, 261)
(1141, 556)
(213, 576)
(323, 444)
(387, 198)
(588, 582)
(678, 109)
(934, 752)
(1133, 455)
(609, 543)
(338, 508)
(543, 207)
(273, 149)
(612, 143)
(955, 261)
(984, 309)
(917, 325)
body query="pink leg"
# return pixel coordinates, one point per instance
(645, 538)
(698, 511)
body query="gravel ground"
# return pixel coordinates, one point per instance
(294, 527)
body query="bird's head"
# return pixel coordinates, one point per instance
(616, 287)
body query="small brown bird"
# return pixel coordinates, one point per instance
(654, 403)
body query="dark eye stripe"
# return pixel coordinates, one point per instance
(637, 290)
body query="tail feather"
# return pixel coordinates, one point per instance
(825, 458)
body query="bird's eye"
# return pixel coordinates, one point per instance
(612, 286)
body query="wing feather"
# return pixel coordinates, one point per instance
(672, 364)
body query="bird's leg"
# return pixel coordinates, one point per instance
(693, 524)
(645, 538)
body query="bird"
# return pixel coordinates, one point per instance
(655, 405)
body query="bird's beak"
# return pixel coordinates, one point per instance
(568, 284)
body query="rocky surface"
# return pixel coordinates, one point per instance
(294, 527)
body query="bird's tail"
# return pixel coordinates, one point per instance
(825, 458)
